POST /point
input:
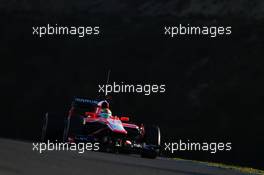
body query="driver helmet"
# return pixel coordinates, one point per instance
(105, 105)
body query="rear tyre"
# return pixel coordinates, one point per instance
(52, 128)
(73, 126)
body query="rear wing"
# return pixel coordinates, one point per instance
(82, 105)
(84, 102)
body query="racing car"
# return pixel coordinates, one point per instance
(85, 123)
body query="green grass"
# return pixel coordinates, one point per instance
(247, 170)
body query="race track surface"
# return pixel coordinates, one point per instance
(17, 158)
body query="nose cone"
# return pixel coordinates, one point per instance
(116, 126)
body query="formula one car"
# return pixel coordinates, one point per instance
(84, 123)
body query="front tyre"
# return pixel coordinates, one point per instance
(152, 139)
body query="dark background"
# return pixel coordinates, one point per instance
(214, 86)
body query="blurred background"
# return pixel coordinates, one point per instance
(214, 86)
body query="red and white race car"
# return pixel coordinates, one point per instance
(85, 123)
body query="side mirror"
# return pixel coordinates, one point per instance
(124, 119)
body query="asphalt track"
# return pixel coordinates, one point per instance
(17, 158)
